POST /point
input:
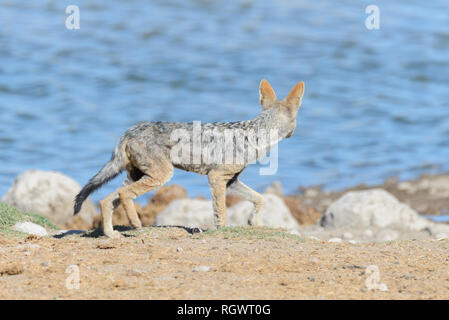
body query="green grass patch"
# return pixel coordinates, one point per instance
(248, 233)
(9, 216)
(263, 233)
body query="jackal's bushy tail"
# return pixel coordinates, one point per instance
(109, 172)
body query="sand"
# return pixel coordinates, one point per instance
(237, 263)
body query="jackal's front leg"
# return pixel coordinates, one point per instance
(217, 184)
(239, 189)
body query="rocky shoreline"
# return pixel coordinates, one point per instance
(387, 212)
(428, 194)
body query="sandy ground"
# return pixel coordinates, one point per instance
(237, 263)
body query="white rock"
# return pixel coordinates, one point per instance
(441, 236)
(368, 233)
(352, 241)
(274, 214)
(347, 235)
(437, 228)
(199, 213)
(368, 208)
(48, 193)
(191, 213)
(335, 240)
(314, 238)
(387, 235)
(30, 228)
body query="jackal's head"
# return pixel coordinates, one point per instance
(286, 110)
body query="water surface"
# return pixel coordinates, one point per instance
(376, 102)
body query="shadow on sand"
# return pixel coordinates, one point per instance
(98, 232)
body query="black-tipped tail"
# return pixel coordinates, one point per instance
(84, 193)
(109, 172)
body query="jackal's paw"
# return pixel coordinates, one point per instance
(113, 234)
(136, 224)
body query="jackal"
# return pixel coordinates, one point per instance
(145, 151)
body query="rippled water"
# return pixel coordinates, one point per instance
(376, 102)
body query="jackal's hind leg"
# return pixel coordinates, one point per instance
(128, 193)
(239, 189)
(132, 214)
(107, 208)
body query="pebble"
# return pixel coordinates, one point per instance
(201, 268)
(295, 232)
(382, 287)
(335, 240)
(27, 246)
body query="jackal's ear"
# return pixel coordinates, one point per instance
(295, 96)
(266, 94)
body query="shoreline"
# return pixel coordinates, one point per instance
(428, 194)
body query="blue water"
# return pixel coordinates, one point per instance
(376, 102)
(442, 218)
